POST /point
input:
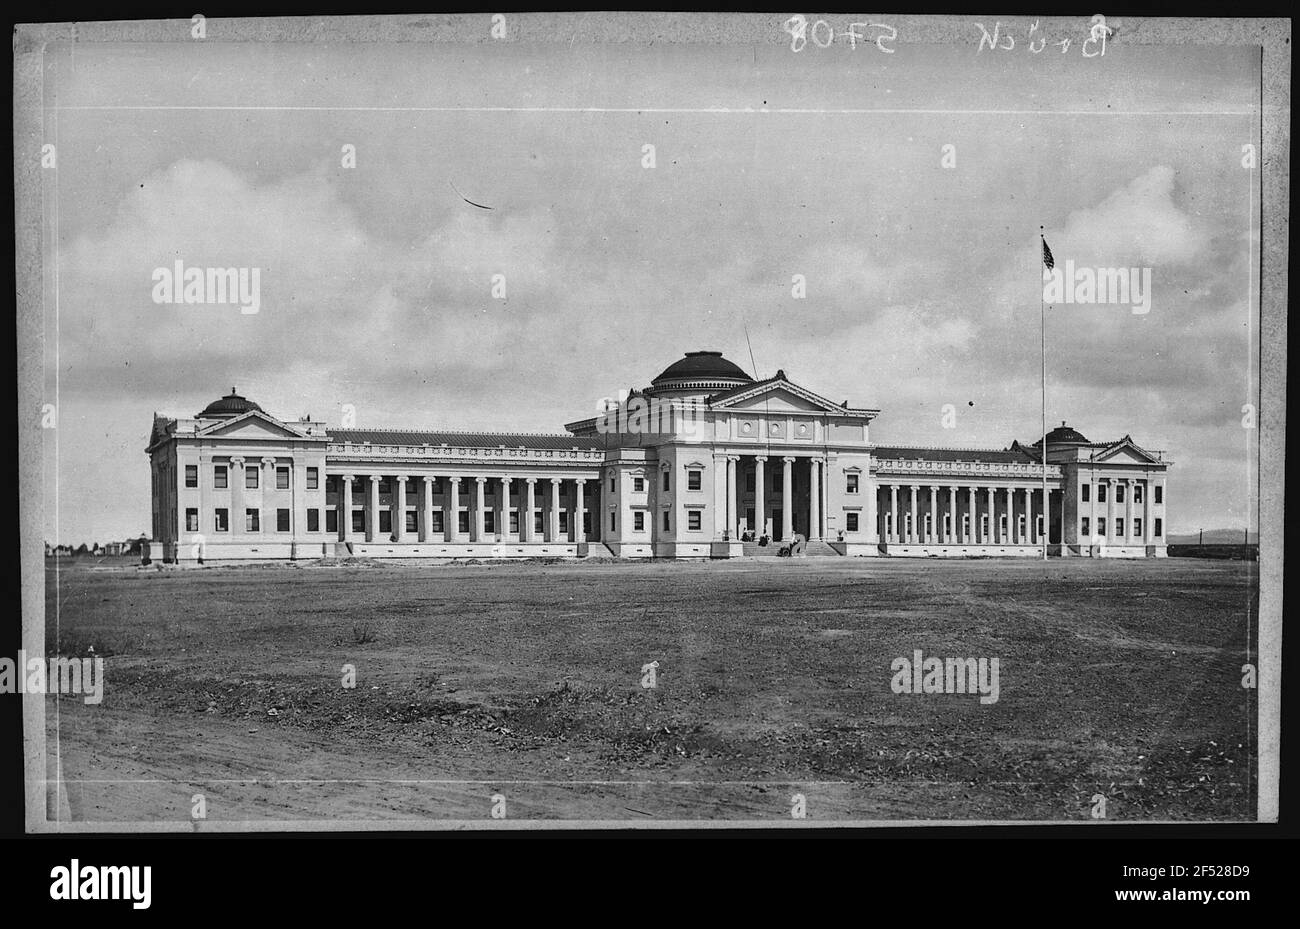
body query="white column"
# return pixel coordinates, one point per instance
(398, 504)
(873, 501)
(912, 514)
(951, 536)
(760, 518)
(994, 534)
(787, 499)
(343, 505)
(553, 512)
(934, 515)
(1013, 534)
(1092, 511)
(451, 509)
(1128, 511)
(1146, 513)
(733, 515)
(426, 508)
(503, 510)
(1110, 512)
(372, 508)
(814, 499)
(1047, 515)
(892, 529)
(576, 519)
(526, 533)
(476, 524)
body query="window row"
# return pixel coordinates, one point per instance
(1085, 493)
(1085, 527)
(253, 520)
(252, 477)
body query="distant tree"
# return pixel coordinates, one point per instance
(82, 550)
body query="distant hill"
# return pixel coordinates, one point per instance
(1214, 537)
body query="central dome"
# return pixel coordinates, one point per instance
(1064, 435)
(702, 366)
(229, 406)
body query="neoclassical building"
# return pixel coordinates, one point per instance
(699, 464)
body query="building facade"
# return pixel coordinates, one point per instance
(706, 462)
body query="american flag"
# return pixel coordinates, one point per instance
(1047, 256)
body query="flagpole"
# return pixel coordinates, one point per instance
(1042, 332)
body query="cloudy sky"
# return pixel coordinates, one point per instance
(923, 281)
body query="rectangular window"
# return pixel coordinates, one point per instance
(851, 484)
(1158, 526)
(219, 477)
(514, 520)
(383, 486)
(490, 521)
(313, 478)
(1101, 493)
(851, 522)
(1137, 493)
(638, 484)
(749, 483)
(538, 529)
(358, 521)
(693, 479)
(437, 525)
(665, 480)
(1119, 493)
(638, 521)
(666, 522)
(282, 520)
(611, 483)
(253, 520)
(250, 477)
(1087, 493)
(385, 520)
(1101, 526)
(331, 520)
(313, 520)
(412, 521)
(613, 519)
(693, 520)
(222, 523)
(1119, 528)
(1160, 497)
(564, 521)
(281, 478)
(462, 521)
(1084, 528)
(1137, 527)
(191, 520)
(586, 522)
(191, 475)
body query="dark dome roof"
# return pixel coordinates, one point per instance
(1063, 435)
(232, 404)
(702, 366)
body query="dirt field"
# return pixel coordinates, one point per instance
(525, 681)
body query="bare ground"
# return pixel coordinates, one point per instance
(524, 680)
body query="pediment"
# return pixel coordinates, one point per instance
(253, 425)
(780, 397)
(1125, 452)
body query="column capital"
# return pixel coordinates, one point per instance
(480, 480)
(580, 481)
(348, 478)
(733, 457)
(268, 460)
(530, 480)
(557, 481)
(237, 460)
(428, 478)
(454, 478)
(760, 458)
(789, 459)
(375, 478)
(403, 478)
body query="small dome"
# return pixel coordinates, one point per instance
(1064, 435)
(229, 406)
(702, 366)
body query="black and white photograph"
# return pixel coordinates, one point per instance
(650, 421)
